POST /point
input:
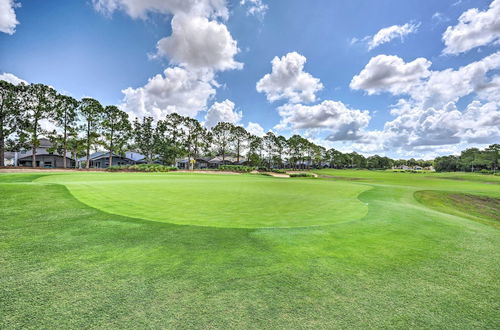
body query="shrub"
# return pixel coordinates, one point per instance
(279, 171)
(142, 168)
(301, 175)
(236, 168)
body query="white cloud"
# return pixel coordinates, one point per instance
(389, 33)
(255, 7)
(9, 77)
(288, 80)
(141, 8)
(390, 73)
(222, 112)
(334, 117)
(475, 28)
(440, 18)
(179, 90)
(197, 42)
(8, 20)
(199, 45)
(255, 129)
(416, 127)
(450, 85)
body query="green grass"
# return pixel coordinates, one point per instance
(66, 263)
(212, 200)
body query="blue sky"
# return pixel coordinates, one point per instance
(399, 106)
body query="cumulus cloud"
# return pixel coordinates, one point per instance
(450, 85)
(255, 7)
(334, 117)
(178, 90)
(141, 8)
(475, 28)
(198, 48)
(255, 129)
(8, 20)
(387, 34)
(390, 73)
(415, 127)
(222, 112)
(429, 118)
(9, 77)
(289, 81)
(197, 42)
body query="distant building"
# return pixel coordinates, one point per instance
(100, 159)
(45, 157)
(199, 163)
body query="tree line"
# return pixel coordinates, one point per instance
(470, 160)
(85, 125)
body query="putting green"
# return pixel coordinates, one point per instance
(238, 201)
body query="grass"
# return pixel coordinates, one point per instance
(480, 208)
(66, 263)
(213, 200)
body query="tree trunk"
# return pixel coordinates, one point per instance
(2, 144)
(88, 146)
(110, 161)
(64, 140)
(238, 152)
(33, 147)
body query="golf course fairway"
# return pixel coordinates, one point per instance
(349, 249)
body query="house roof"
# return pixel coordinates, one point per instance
(135, 156)
(99, 155)
(231, 159)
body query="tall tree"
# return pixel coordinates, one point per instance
(281, 147)
(239, 137)
(255, 150)
(492, 155)
(194, 138)
(222, 138)
(9, 114)
(295, 145)
(116, 130)
(269, 141)
(92, 113)
(37, 104)
(170, 138)
(65, 117)
(76, 146)
(145, 138)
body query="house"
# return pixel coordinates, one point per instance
(10, 158)
(100, 159)
(199, 163)
(229, 160)
(44, 157)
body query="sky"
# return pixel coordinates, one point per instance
(401, 78)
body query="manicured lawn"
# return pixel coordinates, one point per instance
(217, 200)
(354, 249)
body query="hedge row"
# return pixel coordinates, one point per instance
(236, 168)
(301, 175)
(141, 168)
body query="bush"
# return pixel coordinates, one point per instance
(141, 168)
(301, 175)
(279, 171)
(236, 168)
(483, 171)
